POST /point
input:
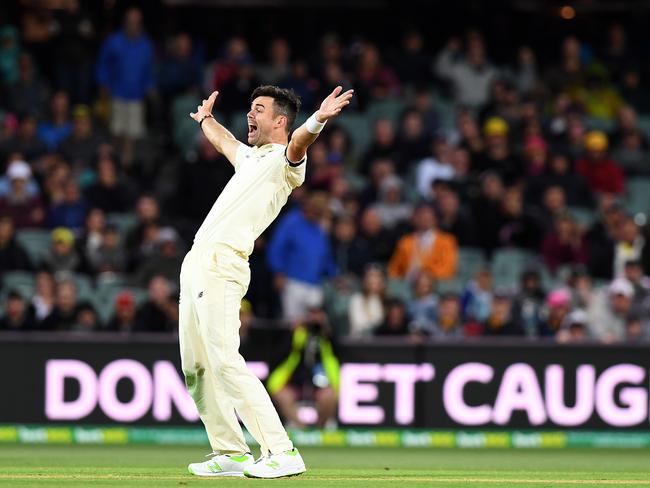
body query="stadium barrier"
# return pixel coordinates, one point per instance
(108, 387)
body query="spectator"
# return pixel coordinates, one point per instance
(608, 311)
(25, 209)
(109, 258)
(564, 245)
(125, 73)
(528, 303)
(383, 145)
(278, 67)
(434, 168)
(396, 320)
(559, 174)
(351, 253)
(453, 219)
(470, 74)
(93, 234)
(366, 310)
(180, 71)
(12, 255)
(86, 319)
(602, 236)
(641, 283)
(392, 209)
(62, 257)
(637, 328)
(413, 141)
(497, 155)
(375, 81)
(44, 297)
(449, 321)
(423, 307)
(630, 245)
(110, 193)
(17, 315)
(64, 314)
(28, 94)
(535, 154)
(602, 174)
(71, 210)
(224, 69)
(300, 256)
(380, 170)
(425, 249)
(574, 330)
(558, 308)
(501, 322)
(80, 147)
(160, 312)
(486, 209)
(9, 54)
(165, 261)
(123, 319)
(58, 127)
(379, 241)
(25, 141)
(412, 64)
(477, 297)
(518, 226)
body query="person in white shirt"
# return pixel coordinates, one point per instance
(215, 275)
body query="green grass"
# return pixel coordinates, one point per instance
(164, 466)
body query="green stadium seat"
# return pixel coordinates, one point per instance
(385, 109)
(36, 242)
(125, 222)
(637, 197)
(644, 124)
(238, 125)
(358, 128)
(596, 123)
(185, 130)
(470, 261)
(21, 281)
(508, 264)
(583, 216)
(455, 285)
(400, 289)
(447, 112)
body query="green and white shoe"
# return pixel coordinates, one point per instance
(287, 463)
(222, 465)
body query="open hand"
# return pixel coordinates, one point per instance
(205, 108)
(333, 104)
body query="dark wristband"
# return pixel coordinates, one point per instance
(209, 116)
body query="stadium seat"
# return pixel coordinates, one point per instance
(36, 242)
(400, 289)
(124, 221)
(358, 128)
(385, 109)
(454, 285)
(583, 216)
(238, 125)
(508, 264)
(596, 123)
(185, 130)
(446, 111)
(21, 281)
(470, 261)
(644, 124)
(637, 195)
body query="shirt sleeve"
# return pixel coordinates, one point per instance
(295, 172)
(243, 151)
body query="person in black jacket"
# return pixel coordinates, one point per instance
(12, 255)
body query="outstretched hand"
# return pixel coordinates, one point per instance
(333, 104)
(205, 109)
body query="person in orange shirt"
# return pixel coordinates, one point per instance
(427, 249)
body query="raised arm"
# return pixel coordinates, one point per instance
(220, 137)
(307, 133)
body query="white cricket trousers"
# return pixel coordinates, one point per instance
(214, 280)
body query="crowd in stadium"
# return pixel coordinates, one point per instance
(455, 197)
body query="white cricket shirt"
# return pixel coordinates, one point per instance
(253, 197)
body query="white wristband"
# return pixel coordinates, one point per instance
(313, 125)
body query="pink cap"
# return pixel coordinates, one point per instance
(558, 298)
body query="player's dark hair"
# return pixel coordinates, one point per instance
(285, 101)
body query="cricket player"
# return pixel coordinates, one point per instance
(215, 276)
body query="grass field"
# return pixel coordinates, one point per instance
(154, 466)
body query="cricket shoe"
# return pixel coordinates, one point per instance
(222, 465)
(287, 463)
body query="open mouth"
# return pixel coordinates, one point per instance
(252, 129)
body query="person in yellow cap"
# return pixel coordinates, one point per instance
(602, 174)
(498, 156)
(62, 256)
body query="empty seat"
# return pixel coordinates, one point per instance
(20, 281)
(400, 289)
(359, 130)
(637, 197)
(36, 243)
